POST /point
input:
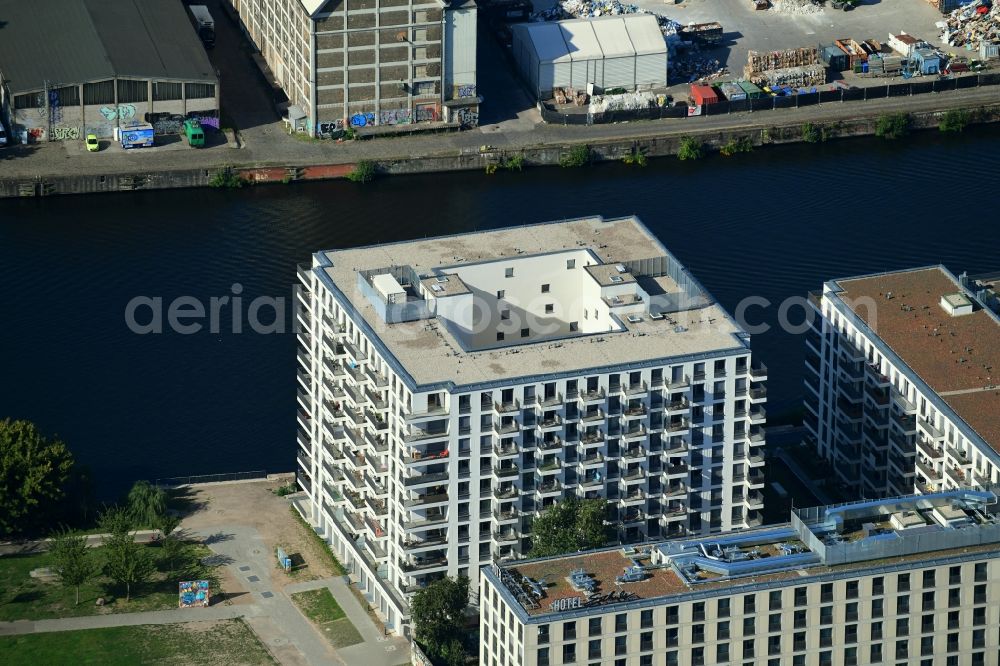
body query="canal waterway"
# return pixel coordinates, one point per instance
(773, 224)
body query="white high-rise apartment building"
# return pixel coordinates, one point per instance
(902, 388)
(451, 388)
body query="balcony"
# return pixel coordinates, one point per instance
(506, 451)
(757, 415)
(958, 456)
(758, 395)
(551, 487)
(423, 563)
(875, 376)
(553, 422)
(505, 493)
(506, 515)
(506, 427)
(507, 407)
(378, 507)
(596, 395)
(591, 460)
(425, 457)
(957, 476)
(634, 474)
(355, 352)
(549, 466)
(675, 490)
(633, 497)
(593, 415)
(635, 433)
(635, 411)
(551, 400)
(590, 438)
(506, 471)
(931, 430)
(418, 435)
(507, 536)
(593, 481)
(375, 486)
(423, 479)
(754, 500)
(632, 516)
(755, 479)
(425, 521)
(678, 384)
(672, 471)
(929, 450)
(409, 543)
(758, 371)
(637, 389)
(426, 500)
(678, 425)
(550, 444)
(907, 424)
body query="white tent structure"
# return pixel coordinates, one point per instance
(610, 51)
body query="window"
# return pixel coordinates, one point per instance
(164, 91)
(621, 622)
(826, 615)
(543, 634)
(569, 631)
(500, 294)
(826, 658)
(954, 575)
(799, 660)
(875, 653)
(978, 616)
(851, 656)
(902, 604)
(876, 631)
(646, 619)
(774, 644)
(748, 650)
(499, 336)
(749, 604)
(979, 594)
(851, 612)
(594, 628)
(646, 641)
(852, 589)
(574, 326)
(826, 593)
(569, 653)
(722, 610)
(525, 332)
(927, 646)
(903, 626)
(198, 90)
(799, 641)
(877, 608)
(570, 264)
(878, 586)
(801, 596)
(978, 638)
(800, 619)
(508, 272)
(774, 600)
(672, 658)
(698, 611)
(672, 614)
(903, 582)
(774, 622)
(722, 630)
(423, 87)
(928, 601)
(926, 624)
(504, 315)
(722, 653)
(697, 633)
(549, 308)
(594, 649)
(545, 288)
(902, 649)
(954, 597)
(65, 96)
(698, 656)
(543, 656)
(673, 637)
(980, 576)
(620, 644)
(646, 660)
(748, 626)
(929, 578)
(825, 637)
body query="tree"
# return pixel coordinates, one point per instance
(954, 120)
(569, 526)
(691, 149)
(127, 563)
(892, 125)
(146, 504)
(171, 542)
(74, 561)
(438, 614)
(33, 474)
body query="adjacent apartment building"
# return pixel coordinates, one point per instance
(907, 581)
(451, 388)
(368, 63)
(902, 387)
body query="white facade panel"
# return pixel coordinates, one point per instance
(619, 72)
(651, 70)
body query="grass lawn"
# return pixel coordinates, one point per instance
(219, 643)
(321, 546)
(324, 611)
(25, 598)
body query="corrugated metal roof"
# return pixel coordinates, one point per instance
(74, 41)
(594, 39)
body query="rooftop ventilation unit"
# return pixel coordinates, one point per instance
(617, 278)
(621, 268)
(634, 319)
(656, 315)
(437, 288)
(442, 278)
(957, 304)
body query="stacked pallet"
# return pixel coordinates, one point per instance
(758, 62)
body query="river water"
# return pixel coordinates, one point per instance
(773, 224)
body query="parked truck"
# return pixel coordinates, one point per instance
(194, 133)
(204, 24)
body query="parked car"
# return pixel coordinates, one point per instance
(92, 144)
(3, 135)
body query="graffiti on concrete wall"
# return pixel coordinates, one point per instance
(36, 133)
(205, 119)
(330, 128)
(121, 112)
(102, 130)
(468, 117)
(65, 133)
(467, 91)
(426, 112)
(363, 120)
(55, 112)
(394, 117)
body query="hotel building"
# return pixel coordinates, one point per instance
(451, 388)
(908, 581)
(902, 387)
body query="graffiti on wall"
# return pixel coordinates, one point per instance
(102, 131)
(363, 120)
(55, 107)
(330, 128)
(36, 133)
(121, 112)
(394, 117)
(468, 117)
(426, 112)
(467, 91)
(205, 119)
(65, 133)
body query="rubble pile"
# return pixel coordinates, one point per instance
(692, 69)
(970, 25)
(796, 77)
(795, 7)
(763, 61)
(586, 9)
(626, 102)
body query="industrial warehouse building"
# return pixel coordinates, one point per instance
(364, 63)
(610, 52)
(69, 68)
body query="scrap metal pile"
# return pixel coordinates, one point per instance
(569, 9)
(691, 69)
(970, 25)
(795, 7)
(625, 102)
(790, 67)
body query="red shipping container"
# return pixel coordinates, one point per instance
(704, 95)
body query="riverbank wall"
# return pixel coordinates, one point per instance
(757, 131)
